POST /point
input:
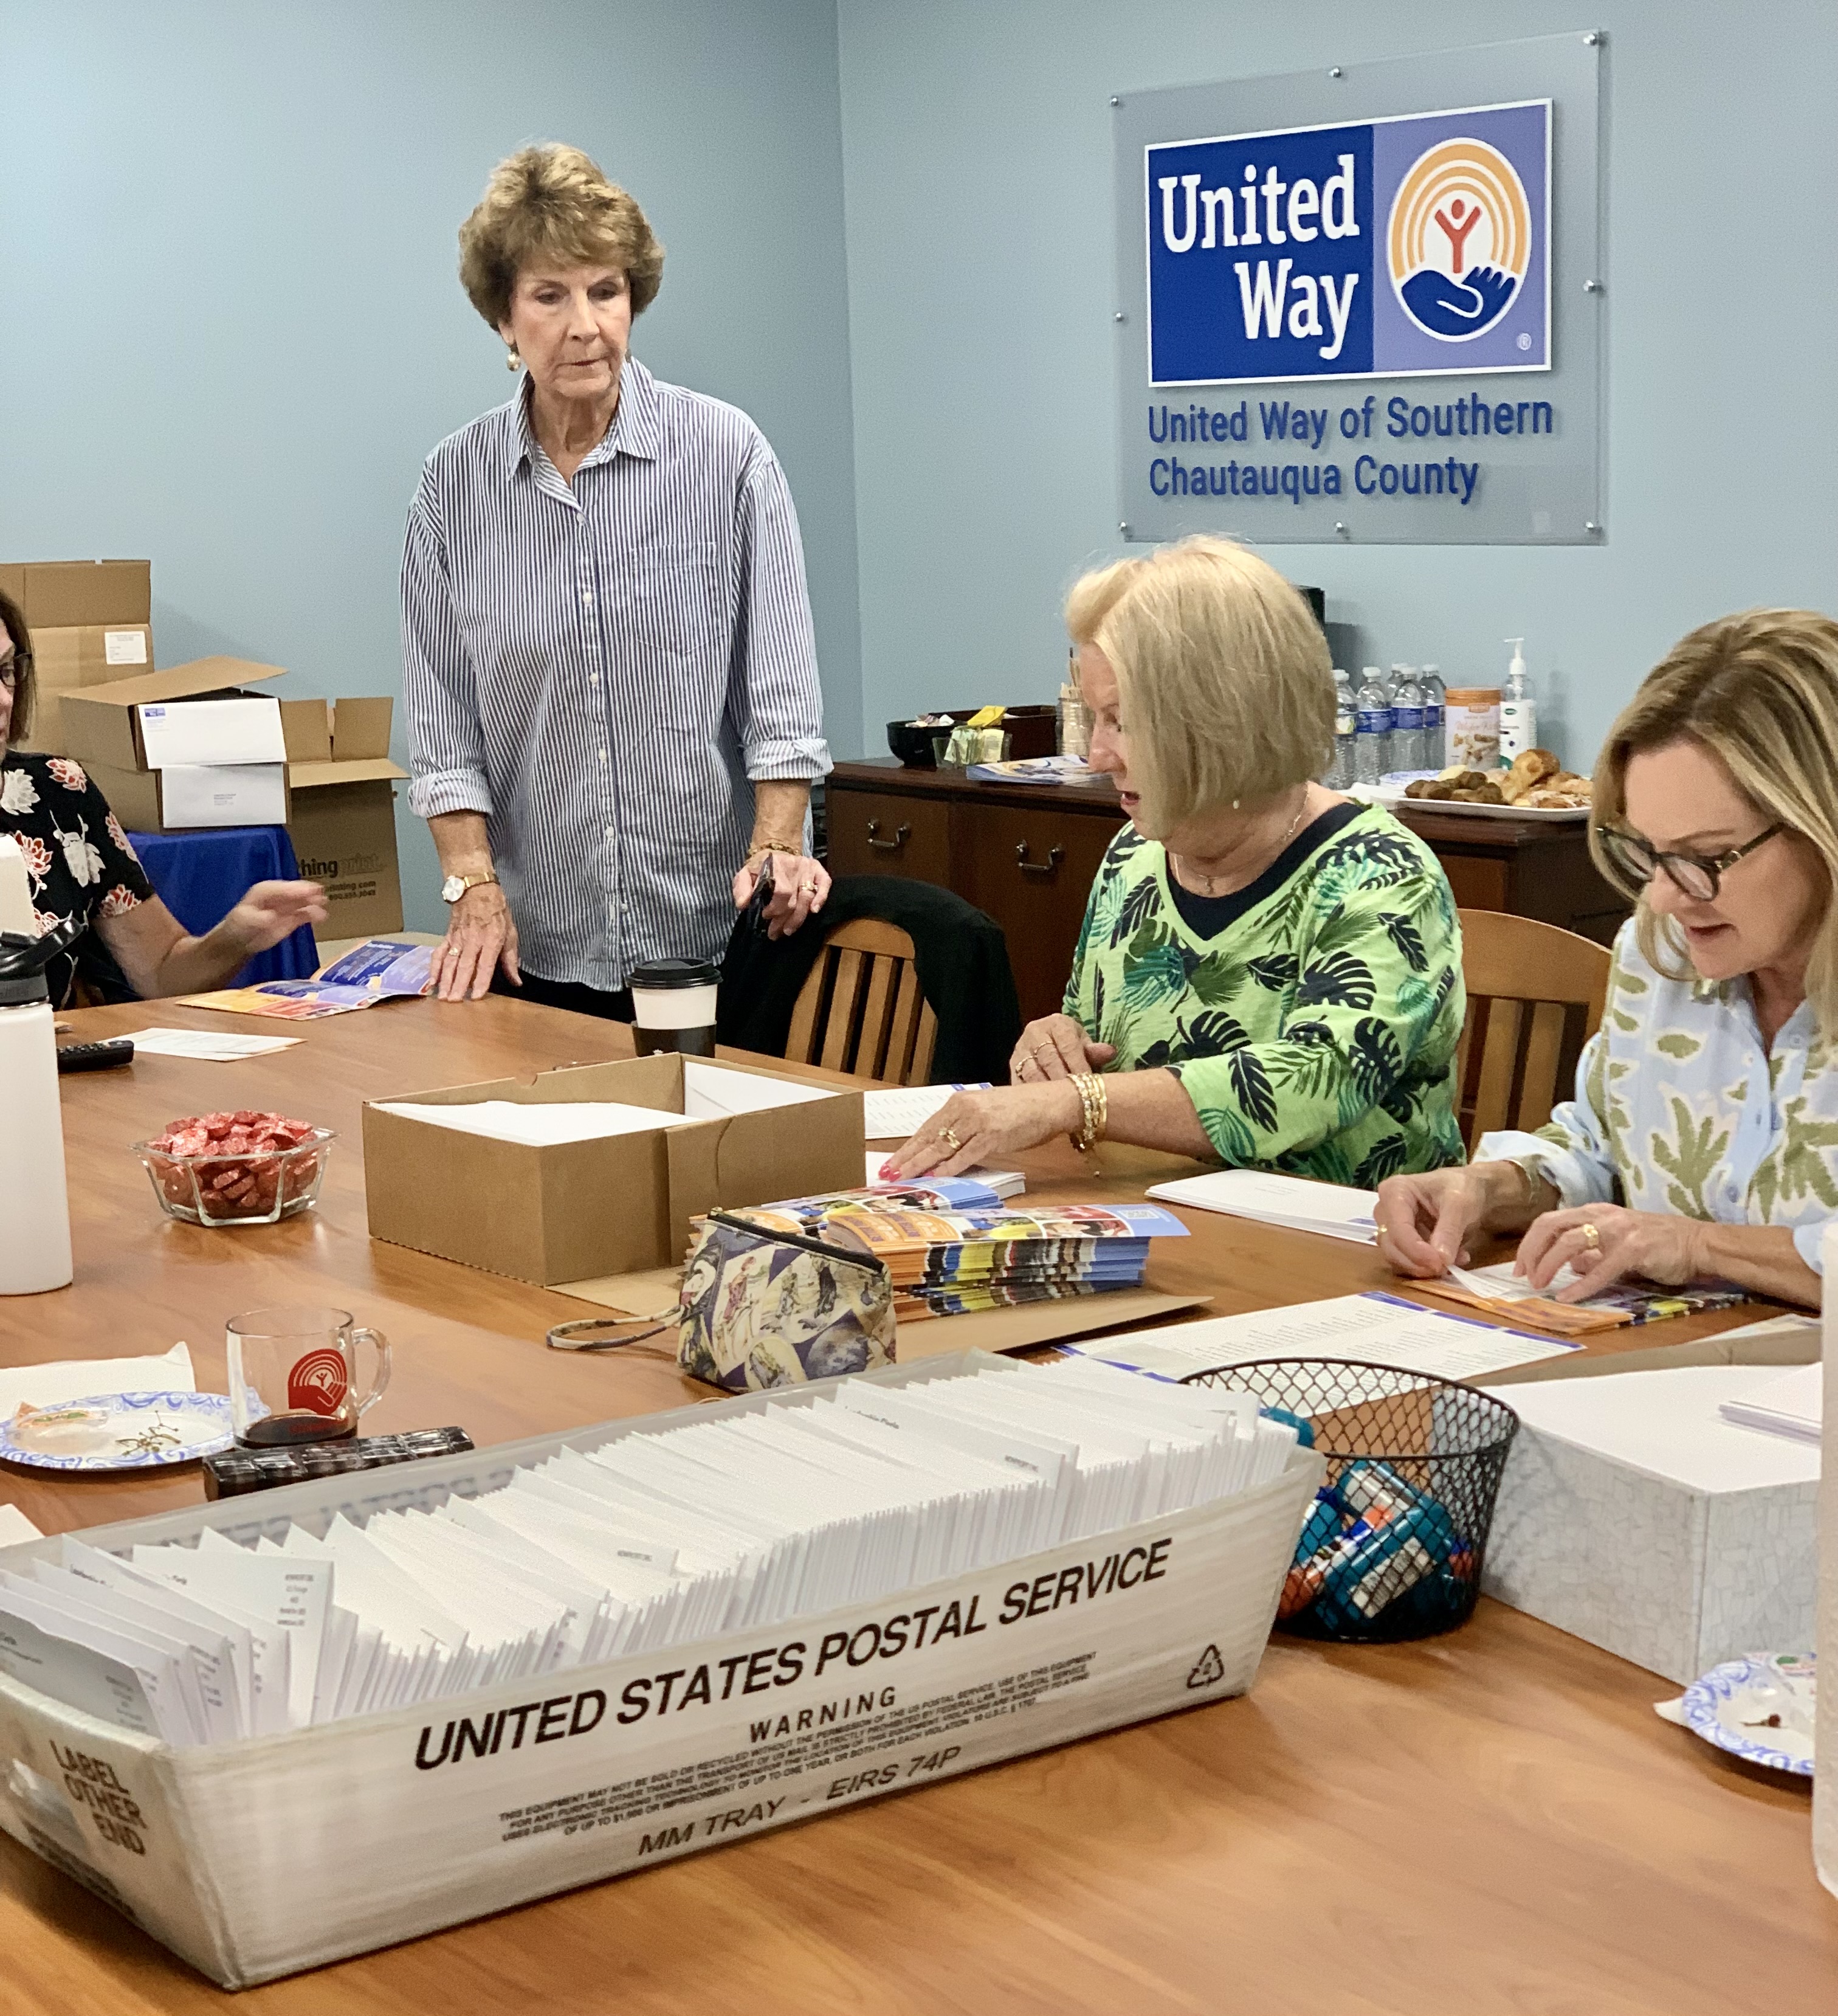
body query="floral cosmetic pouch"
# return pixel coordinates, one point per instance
(764, 1307)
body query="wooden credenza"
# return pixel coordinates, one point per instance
(1027, 853)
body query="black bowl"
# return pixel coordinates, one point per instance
(913, 746)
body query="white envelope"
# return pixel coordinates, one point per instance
(180, 732)
(198, 795)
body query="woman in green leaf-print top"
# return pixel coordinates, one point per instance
(1315, 1031)
(1268, 974)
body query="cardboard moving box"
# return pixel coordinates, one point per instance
(92, 623)
(189, 798)
(343, 818)
(582, 1210)
(257, 1858)
(140, 723)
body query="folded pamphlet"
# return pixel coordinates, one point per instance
(379, 970)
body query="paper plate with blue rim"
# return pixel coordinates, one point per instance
(118, 1432)
(1759, 1709)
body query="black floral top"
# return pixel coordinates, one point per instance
(78, 863)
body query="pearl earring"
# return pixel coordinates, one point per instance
(512, 362)
(1235, 804)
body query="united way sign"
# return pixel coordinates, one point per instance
(1365, 304)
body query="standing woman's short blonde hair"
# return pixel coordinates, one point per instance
(1226, 687)
(1761, 690)
(551, 204)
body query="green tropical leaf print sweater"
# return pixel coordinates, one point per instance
(1317, 1033)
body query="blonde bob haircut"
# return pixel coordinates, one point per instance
(1760, 691)
(551, 204)
(1227, 690)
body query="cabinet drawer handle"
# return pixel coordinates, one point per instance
(1055, 856)
(901, 835)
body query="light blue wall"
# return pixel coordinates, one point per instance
(977, 164)
(230, 327)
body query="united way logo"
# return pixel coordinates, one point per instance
(1388, 247)
(1459, 240)
(319, 1382)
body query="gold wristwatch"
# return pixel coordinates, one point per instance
(455, 886)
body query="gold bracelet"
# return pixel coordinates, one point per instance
(1093, 1100)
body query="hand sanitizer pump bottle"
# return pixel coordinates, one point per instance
(34, 1198)
(1519, 711)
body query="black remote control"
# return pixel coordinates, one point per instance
(95, 1057)
(235, 1471)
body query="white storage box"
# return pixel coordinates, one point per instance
(1633, 1515)
(256, 1859)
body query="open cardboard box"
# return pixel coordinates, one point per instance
(186, 748)
(591, 1212)
(92, 623)
(343, 814)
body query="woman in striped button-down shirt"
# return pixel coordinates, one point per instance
(609, 672)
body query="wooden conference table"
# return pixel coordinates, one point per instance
(1492, 1821)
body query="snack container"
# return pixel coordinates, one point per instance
(257, 1858)
(217, 1189)
(1472, 717)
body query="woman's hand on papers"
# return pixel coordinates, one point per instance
(1426, 1223)
(986, 1126)
(1056, 1047)
(1654, 1245)
(481, 936)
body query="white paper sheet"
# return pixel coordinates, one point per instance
(711, 1093)
(1667, 1424)
(206, 1045)
(16, 1528)
(1499, 1283)
(539, 1126)
(78, 1378)
(897, 1115)
(1379, 1329)
(1291, 1201)
(1789, 1403)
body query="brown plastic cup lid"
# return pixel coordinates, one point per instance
(1472, 696)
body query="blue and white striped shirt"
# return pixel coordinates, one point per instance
(604, 671)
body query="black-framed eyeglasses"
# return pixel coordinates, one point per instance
(14, 668)
(1698, 876)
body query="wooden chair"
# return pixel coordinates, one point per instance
(1535, 995)
(861, 1010)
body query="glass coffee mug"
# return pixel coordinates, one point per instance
(293, 1376)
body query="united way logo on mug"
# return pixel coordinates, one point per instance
(319, 1382)
(1459, 239)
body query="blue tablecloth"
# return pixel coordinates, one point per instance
(202, 877)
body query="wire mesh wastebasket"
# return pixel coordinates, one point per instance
(1393, 1542)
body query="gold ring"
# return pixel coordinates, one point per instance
(809, 889)
(1591, 1238)
(948, 1136)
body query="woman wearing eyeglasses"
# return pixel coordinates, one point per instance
(1703, 1141)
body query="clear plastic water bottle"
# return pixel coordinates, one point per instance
(1340, 771)
(1435, 722)
(1372, 728)
(1407, 748)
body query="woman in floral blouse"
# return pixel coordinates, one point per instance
(78, 863)
(1703, 1141)
(1269, 974)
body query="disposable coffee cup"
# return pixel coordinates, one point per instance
(673, 1003)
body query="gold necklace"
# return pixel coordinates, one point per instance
(1209, 879)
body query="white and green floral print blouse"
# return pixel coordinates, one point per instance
(1681, 1107)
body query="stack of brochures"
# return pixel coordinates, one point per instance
(952, 1247)
(656, 1538)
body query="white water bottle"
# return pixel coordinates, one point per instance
(34, 1197)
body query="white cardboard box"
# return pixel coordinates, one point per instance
(1633, 1515)
(256, 1859)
